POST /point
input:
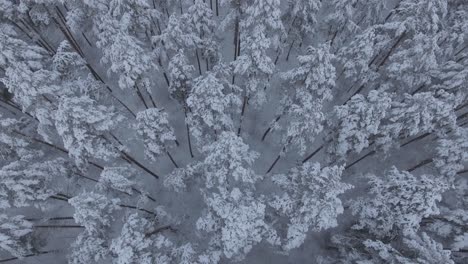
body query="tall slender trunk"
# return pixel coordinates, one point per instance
(273, 164)
(188, 134)
(312, 154)
(244, 105)
(217, 8)
(198, 62)
(270, 127)
(69, 36)
(164, 73)
(387, 55)
(236, 42)
(151, 99)
(140, 96)
(420, 164)
(138, 164)
(289, 50)
(28, 255)
(58, 226)
(86, 38)
(283, 150)
(370, 153)
(395, 45)
(172, 159)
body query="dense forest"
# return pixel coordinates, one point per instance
(234, 131)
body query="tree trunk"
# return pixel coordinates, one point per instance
(138, 164)
(289, 50)
(312, 154)
(188, 134)
(172, 159)
(244, 105)
(270, 127)
(27, 256)
(361, 158)
(140, 96)
(279, 156)
(420, 164)
(236, 32)
(70, 38)
(395, 45)
(198, 62)
(273, 164)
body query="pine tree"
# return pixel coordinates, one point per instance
(228, 162)
(83, 124)
(451, 153)
(93, 211)
(201, 19)
(88, 248)
(28, 182)
(355, 122)
(398, 203)
(15, 234)
(181, 74)
(210, 100)
(118, 178)
(312, 87)
(157, 133)
(310, 200)
(237, 219)
(133, 246)
(125, 54)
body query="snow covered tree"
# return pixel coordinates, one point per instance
(27, 76)
(237, 219)
(228, 161)
(310, 200)
(180, 72)
(304, 14)
(88, 249)
(255, 65)
(13, 145)
(133, 245)
(26, 182)
(451, 153)
(15, 235)
(414, 248)
(179, 178)
(93, 211)
(125, 54)
(83, 124)
(158, 135)
(427, 250)
(117, 178)
(210, 100)
(264, 15)
(398, 203)
(177, 35)
(312, 83)
(361, 53)
(341, 19)
(355, 122)
(141, 242)
(200, 17)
